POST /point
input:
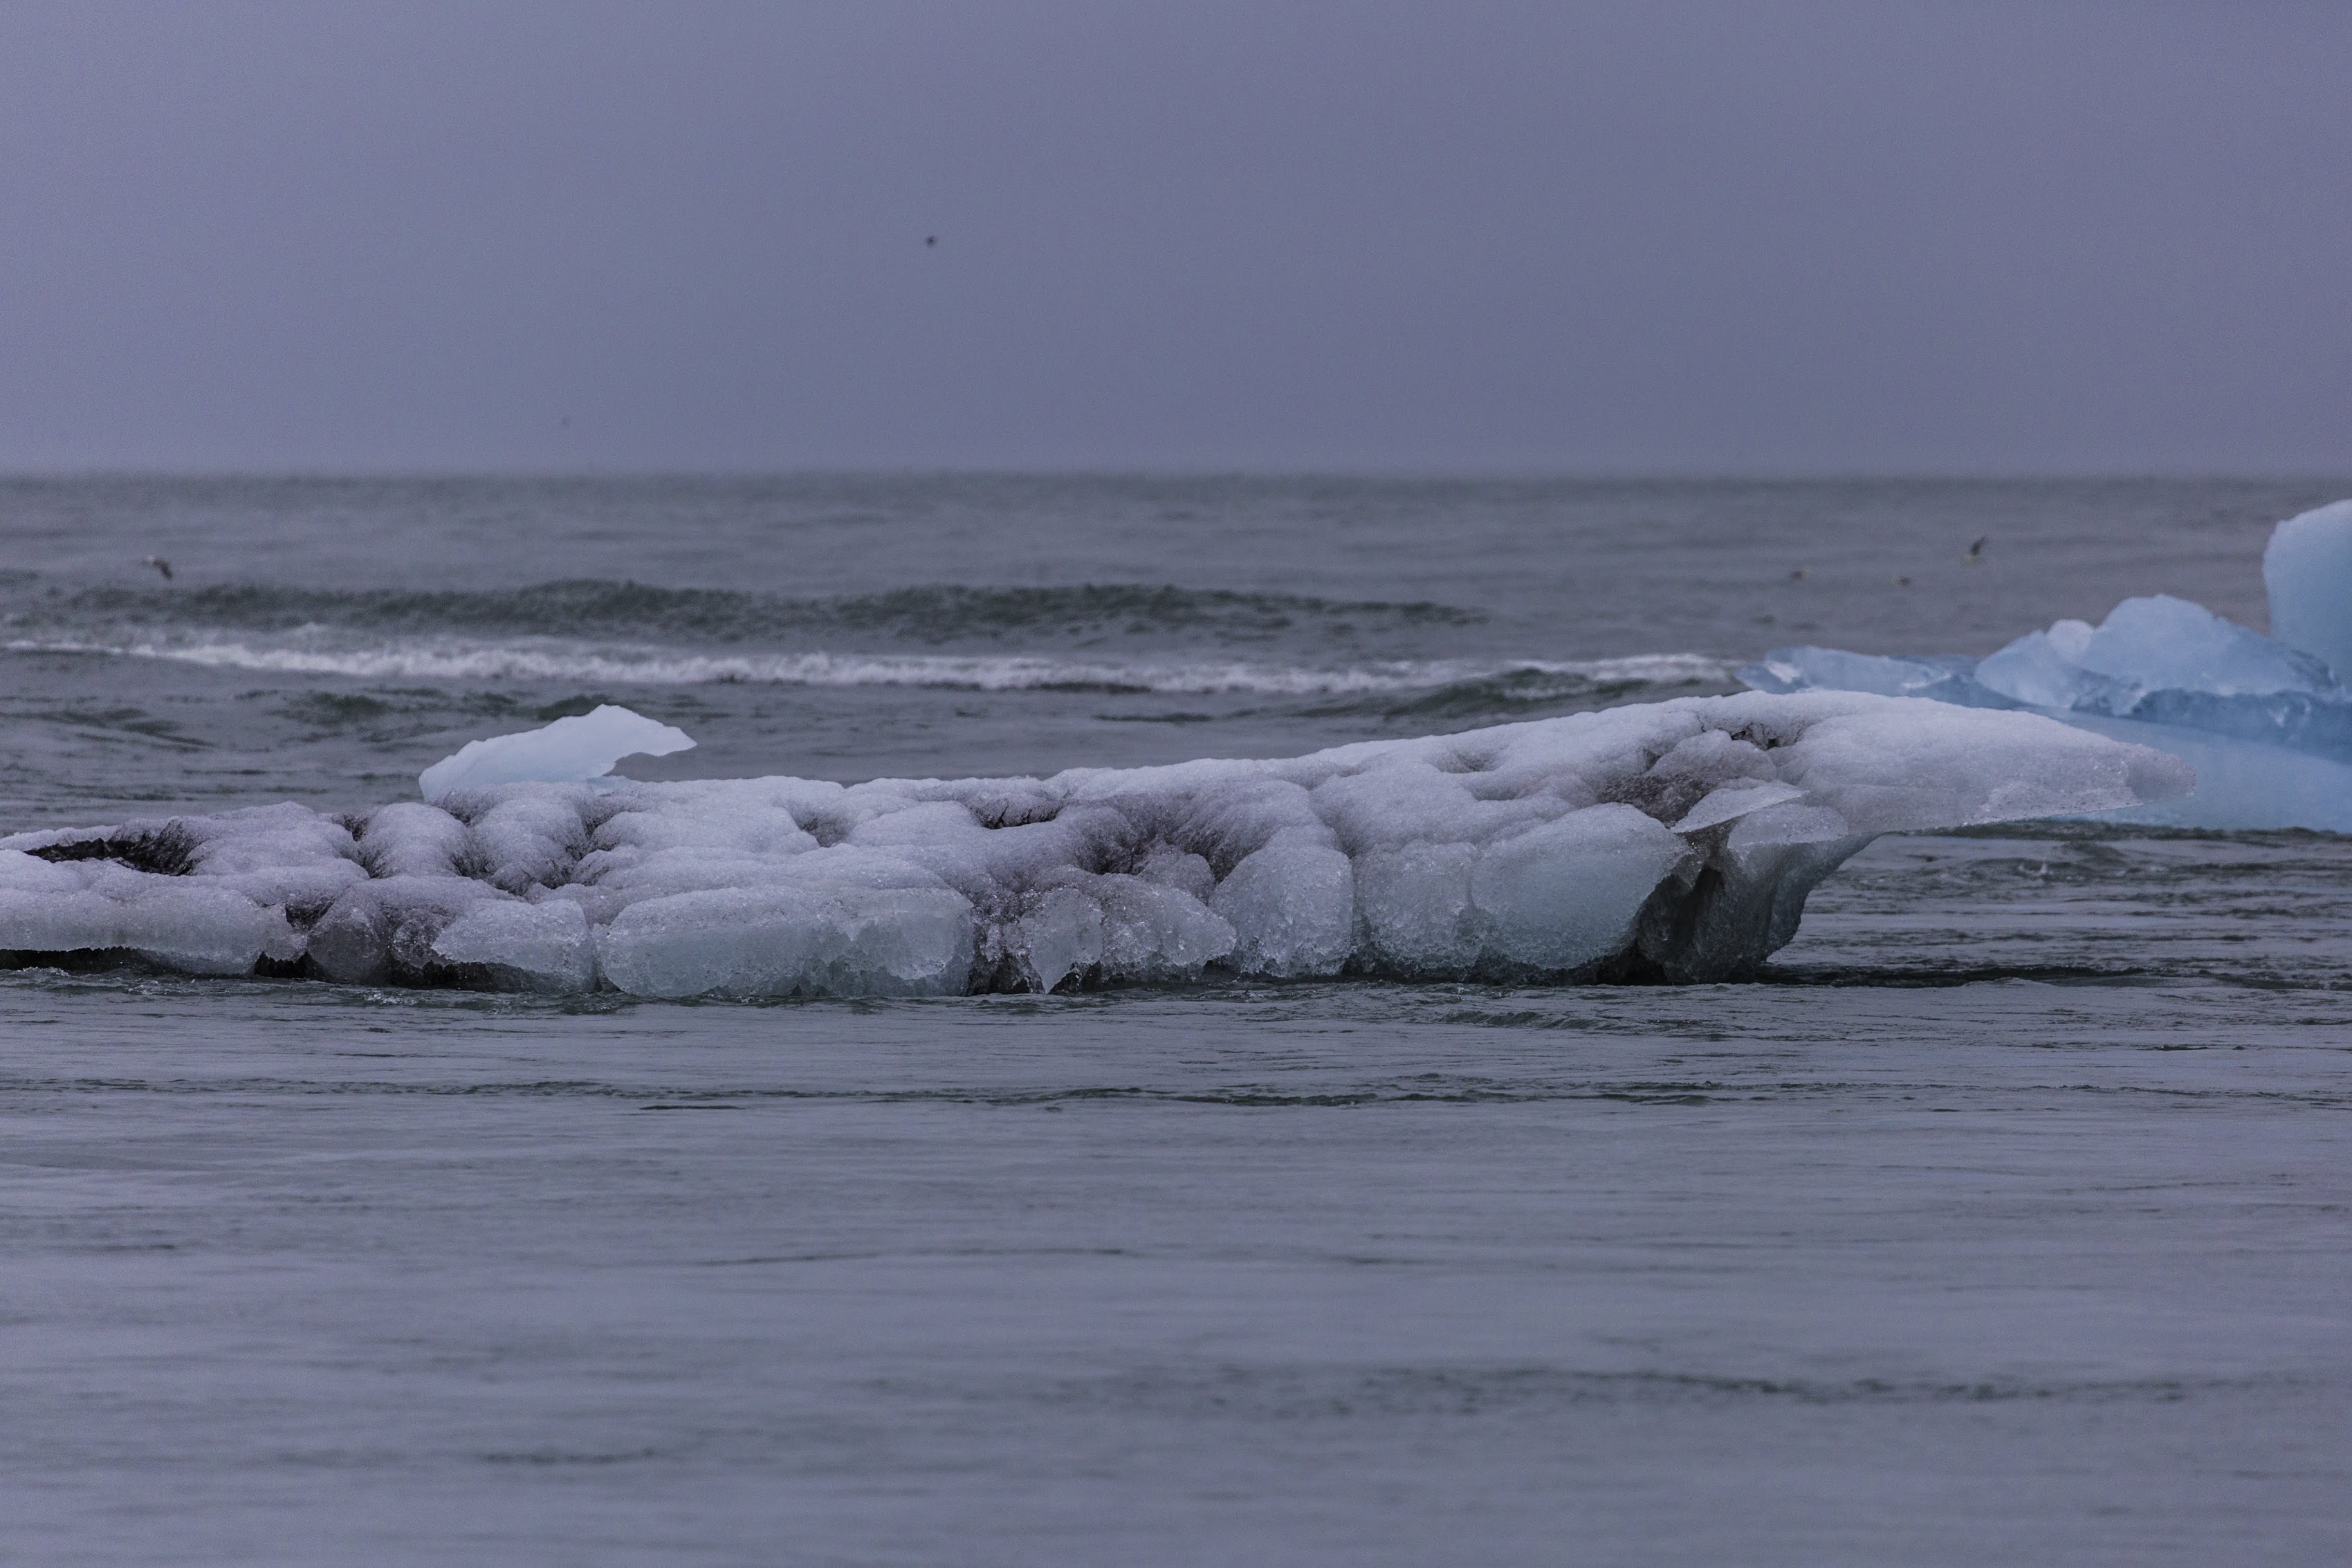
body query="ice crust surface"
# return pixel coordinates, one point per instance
(2263, 721)
(1672, 841)
(569, 750)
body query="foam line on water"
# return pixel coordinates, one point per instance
(454, 660)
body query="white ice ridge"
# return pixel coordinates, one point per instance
(2266, 722)
(1675, 841)
(568, 751)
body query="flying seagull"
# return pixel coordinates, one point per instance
(160, 564)
(1976, 550)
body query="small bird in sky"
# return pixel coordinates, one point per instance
(1799, 575)
(931, 239)
(1901, 580)
(160, 564)
(1976, 550)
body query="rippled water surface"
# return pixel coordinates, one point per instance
(2010, 1220)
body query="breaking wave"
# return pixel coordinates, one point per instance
(1444, 684)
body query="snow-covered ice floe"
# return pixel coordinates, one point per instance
(1675, 841)
(2264, 721)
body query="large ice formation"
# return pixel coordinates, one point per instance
(2264, 721)
(584, 747)
(1675, 841)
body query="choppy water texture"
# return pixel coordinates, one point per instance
(2010, 1220)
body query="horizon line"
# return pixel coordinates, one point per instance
(1174, 473)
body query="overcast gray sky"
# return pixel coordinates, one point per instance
(1758, 236)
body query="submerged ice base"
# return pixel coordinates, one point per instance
(1671, 841)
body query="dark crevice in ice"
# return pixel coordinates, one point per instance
(165, 850)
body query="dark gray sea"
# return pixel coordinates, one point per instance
(2008, 1219)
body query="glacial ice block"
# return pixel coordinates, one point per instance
(2308, 571)
(1669, 842)
(570, 751)
(2275, 752)
(2263, 721)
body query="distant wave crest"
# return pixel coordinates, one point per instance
(935, 614)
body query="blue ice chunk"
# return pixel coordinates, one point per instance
(2162, 660)
(2158, 643)
(2236, 705)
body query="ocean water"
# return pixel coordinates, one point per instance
(2008, 1219)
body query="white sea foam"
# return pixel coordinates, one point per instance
(1673, 840)
(546, 659)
